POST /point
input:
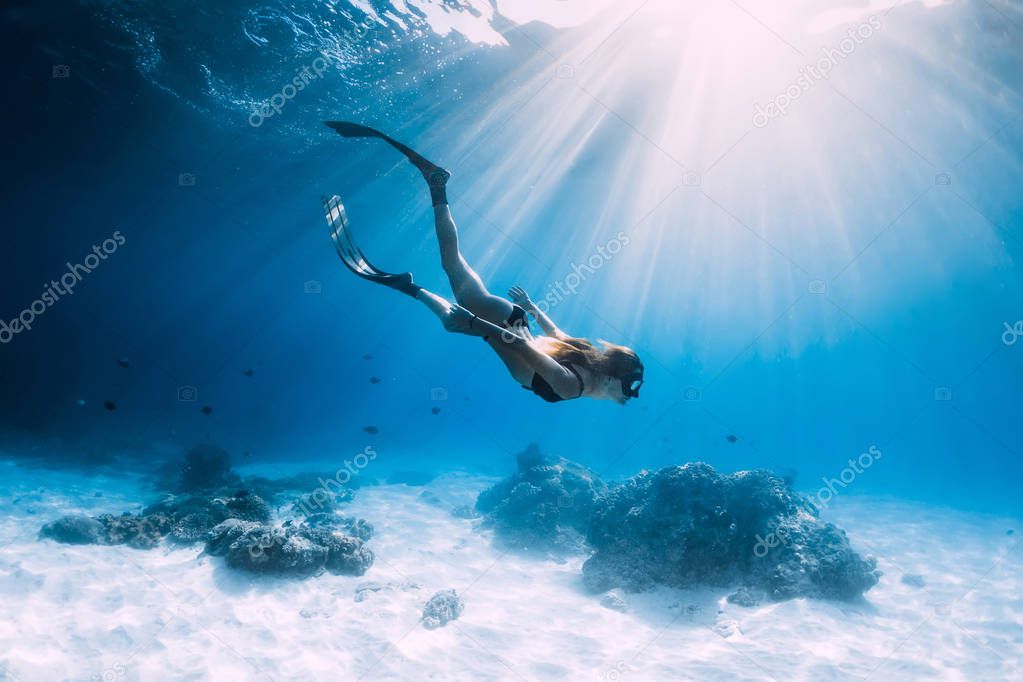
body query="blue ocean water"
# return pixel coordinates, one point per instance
(804, 216)
(821, 283)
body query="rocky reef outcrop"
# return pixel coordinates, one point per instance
(205, 470)
(206, 503)
(442, 608)
(689, 525)
(545, 506)
(349, 525)
(140, 532)
(681, 526)
(288, 551)
(194, 516)
(76, 529)
(203, 467)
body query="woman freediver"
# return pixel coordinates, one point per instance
(554, 366)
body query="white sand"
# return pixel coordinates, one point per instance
(117, 614)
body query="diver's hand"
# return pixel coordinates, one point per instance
(519, 297)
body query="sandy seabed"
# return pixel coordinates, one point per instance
(118, 614)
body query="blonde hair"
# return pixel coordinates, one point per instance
(612, 360)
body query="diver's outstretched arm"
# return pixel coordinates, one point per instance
(546, 323)
(519, 296)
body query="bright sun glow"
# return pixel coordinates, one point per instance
(625, 101)
(661, 119)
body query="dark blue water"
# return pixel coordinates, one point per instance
(800, 292)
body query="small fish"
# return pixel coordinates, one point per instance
(371, 429)
(80, 402)
(435, 410)
(374, 380)
(732, 438)
(206, 409)
(123, 361)
(110, 405)
(367, 356)
(248, 372)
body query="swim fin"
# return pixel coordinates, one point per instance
(353, 257)
(436, 177)
(348, 129)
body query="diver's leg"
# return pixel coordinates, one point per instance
(460, 320)
(511, 354)
(436, 177)
(514, 359)
(353, 257)
(469, 290)
(438, 305)
(467, 286)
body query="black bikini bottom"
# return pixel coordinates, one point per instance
(517, 317)
(539, 385)
(542, 387)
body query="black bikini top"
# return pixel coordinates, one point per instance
(542, 388)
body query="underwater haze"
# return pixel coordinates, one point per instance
(804, 216)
